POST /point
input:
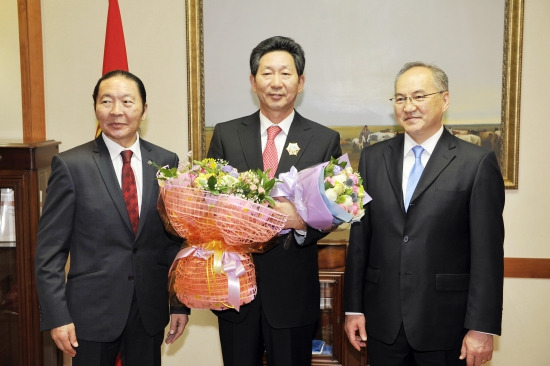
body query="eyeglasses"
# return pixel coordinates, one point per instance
(417, 99)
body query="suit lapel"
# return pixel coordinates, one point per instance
(443, 154)
(251, 144)
(393, 159)
(149, 177)
(104, 164)
(299, 133)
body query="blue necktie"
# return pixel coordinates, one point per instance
(415, 174)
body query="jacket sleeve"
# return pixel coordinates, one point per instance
(357, 257)
(52, 247)
(484, 309)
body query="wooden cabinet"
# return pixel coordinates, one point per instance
(24, 173)
(336, 349)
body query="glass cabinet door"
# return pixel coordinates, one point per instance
(323, 343)
(24, 172)
(9, 300)
(327, 344)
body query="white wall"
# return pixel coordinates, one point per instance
(155, 38)
(10, 73)
(526, 322)
(74, 35)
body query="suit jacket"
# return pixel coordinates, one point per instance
(287, 280)
(437, 269)
(84, 214)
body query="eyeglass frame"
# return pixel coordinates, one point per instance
(413, 100)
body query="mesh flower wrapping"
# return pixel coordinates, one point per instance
(224, 216)
(212, 279)
(200, 216)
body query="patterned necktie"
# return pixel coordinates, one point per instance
(270, 155)
(129, 189)
(414, 176)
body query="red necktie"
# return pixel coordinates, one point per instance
(270, 155)
(129, 190)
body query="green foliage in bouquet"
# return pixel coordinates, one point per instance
(218, 177)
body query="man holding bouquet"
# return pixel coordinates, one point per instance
(281, 319)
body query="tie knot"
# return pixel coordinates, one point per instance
(126, 156)
(272, 132)
(418, 150)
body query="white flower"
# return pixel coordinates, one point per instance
(227, 180)
(340, 178)
(331, 194)
(345, 201)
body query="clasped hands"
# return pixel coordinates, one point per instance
(294, 220)
(286, 207)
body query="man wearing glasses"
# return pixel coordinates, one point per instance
(424, 270)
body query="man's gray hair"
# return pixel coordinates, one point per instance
(441, 80)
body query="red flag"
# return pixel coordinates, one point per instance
(114, 54)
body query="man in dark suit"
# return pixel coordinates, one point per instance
(426, 277)
(115, 297)
(281, 319)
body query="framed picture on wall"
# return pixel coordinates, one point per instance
(353, 51)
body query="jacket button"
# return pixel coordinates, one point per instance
(134, 250)
(130, 277)
(406, 239)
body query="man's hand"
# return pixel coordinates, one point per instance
(356, 324)
(65, 338)
(294, 221)
(177, 326)
(477, 348)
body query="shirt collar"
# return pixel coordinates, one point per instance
(428, 145)
(265, 123)
(115, 149)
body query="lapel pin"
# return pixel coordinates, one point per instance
(293, 148)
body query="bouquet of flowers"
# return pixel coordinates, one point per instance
(224, 216)
(325, 195)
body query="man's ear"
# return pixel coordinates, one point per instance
(301, 82)
(144, 114)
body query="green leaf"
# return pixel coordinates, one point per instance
(212, 183)
(270, 200)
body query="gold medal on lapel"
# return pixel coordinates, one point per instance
(293, 148)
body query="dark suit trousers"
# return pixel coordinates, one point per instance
(400, 353)
(136, 347)
(244, 343)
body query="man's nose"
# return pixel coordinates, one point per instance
(116, 109)
(276, 81)
(409, 105)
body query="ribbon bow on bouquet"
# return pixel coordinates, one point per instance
(325, 195)
(228, 263)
